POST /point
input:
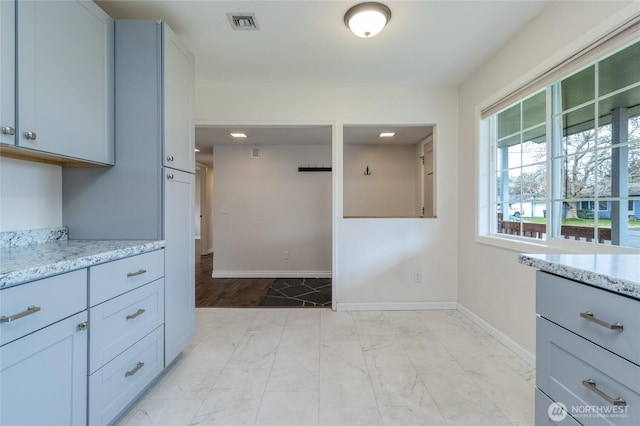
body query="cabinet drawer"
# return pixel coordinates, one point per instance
(118, 383)
(546, 415)
(120, 322)
(564, 360)
(41, 302)
(562, 301)
(111, 279)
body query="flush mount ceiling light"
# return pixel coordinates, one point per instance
(238, 135)
(367, 19)
(387, 134)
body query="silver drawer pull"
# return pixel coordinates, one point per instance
(138, 272)
(137, 314)
(588, 315)
(138, 366)
(30, 310)
(591, 385)
(83, 326)
(30, 136)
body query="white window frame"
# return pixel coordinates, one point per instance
(486, 226)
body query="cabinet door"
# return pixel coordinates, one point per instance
(179, 267)
(179, 128)
(7, 72)
(65, 79)
(44, 376)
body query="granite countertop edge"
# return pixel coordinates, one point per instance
(82, 254)
(609, 279)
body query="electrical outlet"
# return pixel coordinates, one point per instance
(417, 277)
(224, 209)
(285, 255)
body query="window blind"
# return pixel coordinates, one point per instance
(624, 34)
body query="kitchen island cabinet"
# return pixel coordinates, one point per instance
(587, 339)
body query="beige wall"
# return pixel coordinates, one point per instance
(263, 207)
(390, 189)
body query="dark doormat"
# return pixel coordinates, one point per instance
(300, 292)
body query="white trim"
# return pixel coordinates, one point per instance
(521, 352)
(271, 274)
(395, 306)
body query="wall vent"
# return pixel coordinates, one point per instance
(243, 21)
(255, 152)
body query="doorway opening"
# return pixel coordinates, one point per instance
(268, 198)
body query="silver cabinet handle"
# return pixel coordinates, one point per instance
(8, 130)
(137, 314)
(138, 366)
(169, 175)
(588, 315)
(591, 385)
(83, 326)
(169, 157)
(30, 136)
(30, 310)
(138, 272)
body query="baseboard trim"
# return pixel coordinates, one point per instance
(271, 274)
(524, 354)
(395, 306)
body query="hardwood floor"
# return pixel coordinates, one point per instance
(258, 292)
(227, 292)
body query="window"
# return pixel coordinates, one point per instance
(566, 160)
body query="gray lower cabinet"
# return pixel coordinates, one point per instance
(126, 336)
(43, 357)
(587, 354)
(179, 263)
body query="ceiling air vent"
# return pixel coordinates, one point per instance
(243, 21)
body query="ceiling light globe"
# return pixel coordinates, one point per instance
(367, 19)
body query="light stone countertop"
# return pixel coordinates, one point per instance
(619, 273)
(20, 264)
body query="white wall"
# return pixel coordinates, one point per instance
(390, 189)
(30, 195)
(491, 282)
(374, 260)
(264, 206)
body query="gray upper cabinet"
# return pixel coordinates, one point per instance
(179, 131)
(65, 79)
(7, 72)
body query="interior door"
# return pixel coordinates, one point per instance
(428, 180)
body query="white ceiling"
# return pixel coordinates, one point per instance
(305, 43)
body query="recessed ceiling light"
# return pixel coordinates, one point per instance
(196, 150)
(238, 135)
(387, 134)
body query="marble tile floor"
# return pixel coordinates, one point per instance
(295, 367)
